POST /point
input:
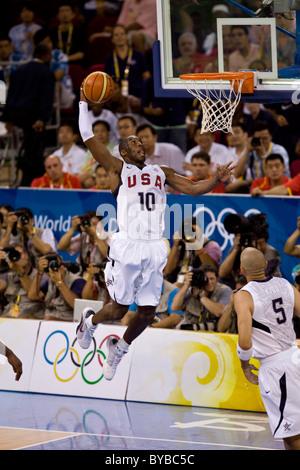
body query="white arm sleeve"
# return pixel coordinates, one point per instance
(2, 348)
(85, 125)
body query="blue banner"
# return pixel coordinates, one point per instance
(54, 209)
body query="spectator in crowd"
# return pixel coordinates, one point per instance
(290, 247)
(246, 51)
(201, 170)
(5, 209)
(55, 177)
(21, 35)
(97, 112)
(160, 153)
(205, 142)
(29, 105)
(90, 243)
(165, 316)
(70, 154)
(57, 287)
(66, 36)
(228, 320)
(253, 164)
(88, 167)
(274, 171)
(239, 147)
(190, 250)
(189, 56)
(7, 55)
(126, 64)
(16, 284)
(59, 65)
(95, 287)
(21, 229)
(256, 236)
(102, 179)
(290, 188)
(139, 19)
(256, 112)
(202, 299)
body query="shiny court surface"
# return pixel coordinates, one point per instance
(50, 422)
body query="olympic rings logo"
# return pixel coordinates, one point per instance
(75, 359)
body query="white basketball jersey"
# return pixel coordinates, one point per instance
(141, 202)
(272, 321)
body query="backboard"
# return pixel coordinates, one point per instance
(201, 36)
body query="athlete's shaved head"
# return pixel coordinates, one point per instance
(253, 262)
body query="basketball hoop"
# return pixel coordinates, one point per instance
(218, 107)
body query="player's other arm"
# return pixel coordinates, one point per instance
(186, 186)
(243, 304)
(100, 153)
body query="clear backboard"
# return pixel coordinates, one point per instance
(205, 36)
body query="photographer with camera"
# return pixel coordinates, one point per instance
(21, 229)
(95, 286)
(16, 283)
(57, 287)
(190, 249)
(252, 165)
(202, 299)
(89, 246)
(249, 232)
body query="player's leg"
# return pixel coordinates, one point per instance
(292, 443)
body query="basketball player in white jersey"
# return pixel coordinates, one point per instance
(265, 307)
(137, 252)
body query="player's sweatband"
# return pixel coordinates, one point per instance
(85, 125)
(2, 348)
(244, 355)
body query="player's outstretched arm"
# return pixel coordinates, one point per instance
(100, 153)
(186, 186)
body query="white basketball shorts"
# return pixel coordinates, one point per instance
(279, 383)
(134, 272)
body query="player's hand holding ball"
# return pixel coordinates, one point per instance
(97, 87)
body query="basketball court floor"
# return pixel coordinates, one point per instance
(51, 422)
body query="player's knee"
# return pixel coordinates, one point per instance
(146, 313)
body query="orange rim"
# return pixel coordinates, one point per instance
(235, 77)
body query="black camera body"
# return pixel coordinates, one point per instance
(53, 263)
(85, 221)
(237, 223)
(23, 216)
(199, 278)
(12, 254)
(255, 142)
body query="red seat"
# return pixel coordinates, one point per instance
(295, 167)
(77, 74)
(95, 68)
(99, 49)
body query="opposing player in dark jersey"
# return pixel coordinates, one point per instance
(137, 252)
(265, 307)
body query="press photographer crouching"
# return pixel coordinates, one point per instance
(248, 231)
(95, 287)
(202, 299)
(15, 284)
(90, 247)
(57, 286)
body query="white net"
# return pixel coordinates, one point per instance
(218, 108)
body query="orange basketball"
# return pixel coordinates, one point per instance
(98, 87)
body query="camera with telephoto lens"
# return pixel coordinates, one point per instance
(199, 278)
(297, 279)
(23, 216)
(237, 223)
(85, 221)
(53, 263)
(12, 254)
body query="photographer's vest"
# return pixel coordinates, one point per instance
(196, 313)
(56, 305)
(18, 301)
(161, 310)
(89, 252)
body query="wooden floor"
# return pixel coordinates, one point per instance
(51, 422)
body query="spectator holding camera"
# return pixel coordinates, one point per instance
(20, 229)
(16, 283)
(290, 247)
(202, 299)
(58, 289)
(90, 243)
(252, 231)
(190, 249)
